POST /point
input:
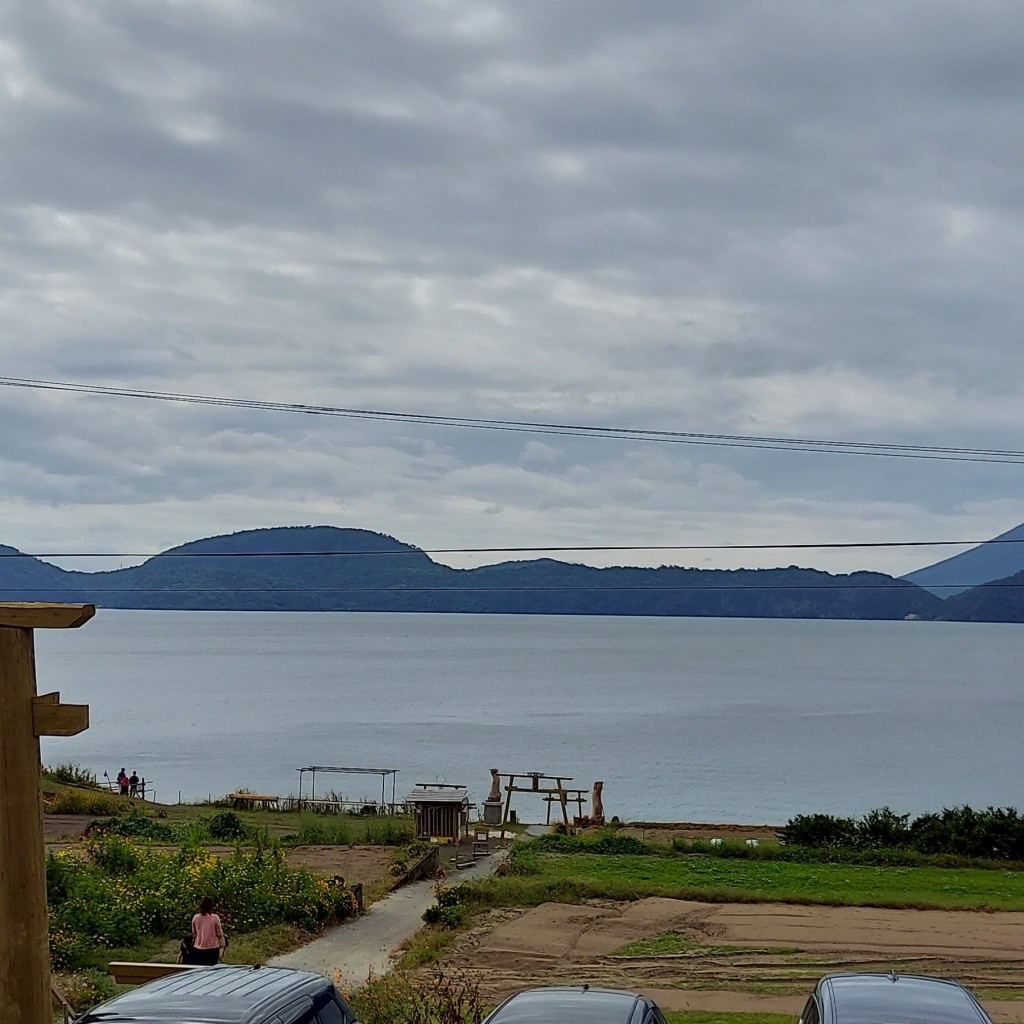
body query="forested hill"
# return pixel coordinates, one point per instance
(323, 568)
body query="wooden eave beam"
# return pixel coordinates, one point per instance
(44, 615)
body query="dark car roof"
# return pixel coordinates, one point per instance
(897, 999)
(212, 995)
(579, 1005)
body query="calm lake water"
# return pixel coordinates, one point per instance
(702, 719)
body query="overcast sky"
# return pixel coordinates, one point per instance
(798, 219)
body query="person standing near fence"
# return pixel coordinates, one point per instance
(207, 935)
(133, 784)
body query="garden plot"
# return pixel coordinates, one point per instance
(741, 957)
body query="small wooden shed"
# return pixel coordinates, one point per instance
(441, 811)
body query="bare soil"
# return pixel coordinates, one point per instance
(665, 833)
(783, 950)
(366, 864)
(65, 826)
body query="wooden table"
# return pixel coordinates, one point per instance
(253, 801)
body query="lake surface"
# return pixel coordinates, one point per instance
(749, 720)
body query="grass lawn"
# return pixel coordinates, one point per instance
(569, 877)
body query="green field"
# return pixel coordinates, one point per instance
(570, 877)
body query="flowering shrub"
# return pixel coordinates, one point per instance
(120, 893)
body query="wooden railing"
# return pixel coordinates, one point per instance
(366, 808)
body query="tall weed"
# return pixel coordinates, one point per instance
(399, 998)
(387, 833)
(79, 801)
(67, 773)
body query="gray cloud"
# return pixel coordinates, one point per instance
(759, 217)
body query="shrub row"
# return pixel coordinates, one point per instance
(952, 839)
(223, 827)
(995, 833)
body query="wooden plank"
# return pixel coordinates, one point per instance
(49, 719)
(24, 953)
(43, 615)
(125, 972)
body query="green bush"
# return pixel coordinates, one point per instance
(883, 829)
(445, 917)
(821, 830)
(450, 910)
(227, 825)
(134, 825)
(996, 832)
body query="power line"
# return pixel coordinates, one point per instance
(544, 549)
(804, 444)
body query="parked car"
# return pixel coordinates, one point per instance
(228, 995)
(891, 999)
(577, 1005)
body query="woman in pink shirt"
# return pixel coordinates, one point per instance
(207, 935)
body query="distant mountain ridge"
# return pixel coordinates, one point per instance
(996, 559)
(325, 568)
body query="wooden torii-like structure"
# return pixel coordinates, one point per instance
(532, 784)
(24, 717)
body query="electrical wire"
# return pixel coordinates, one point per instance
(802, 444)
(542, 549)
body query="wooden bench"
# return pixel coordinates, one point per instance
(124, 972)
(252, 801)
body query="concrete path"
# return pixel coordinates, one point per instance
(353, 950)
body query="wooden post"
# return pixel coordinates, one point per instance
(508, 803)
(24, 717)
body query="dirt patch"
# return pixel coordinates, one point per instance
(366, 864)
(665, 833)
(781, 950)
(65, 826)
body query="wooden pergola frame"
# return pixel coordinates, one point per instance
(332, 769)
